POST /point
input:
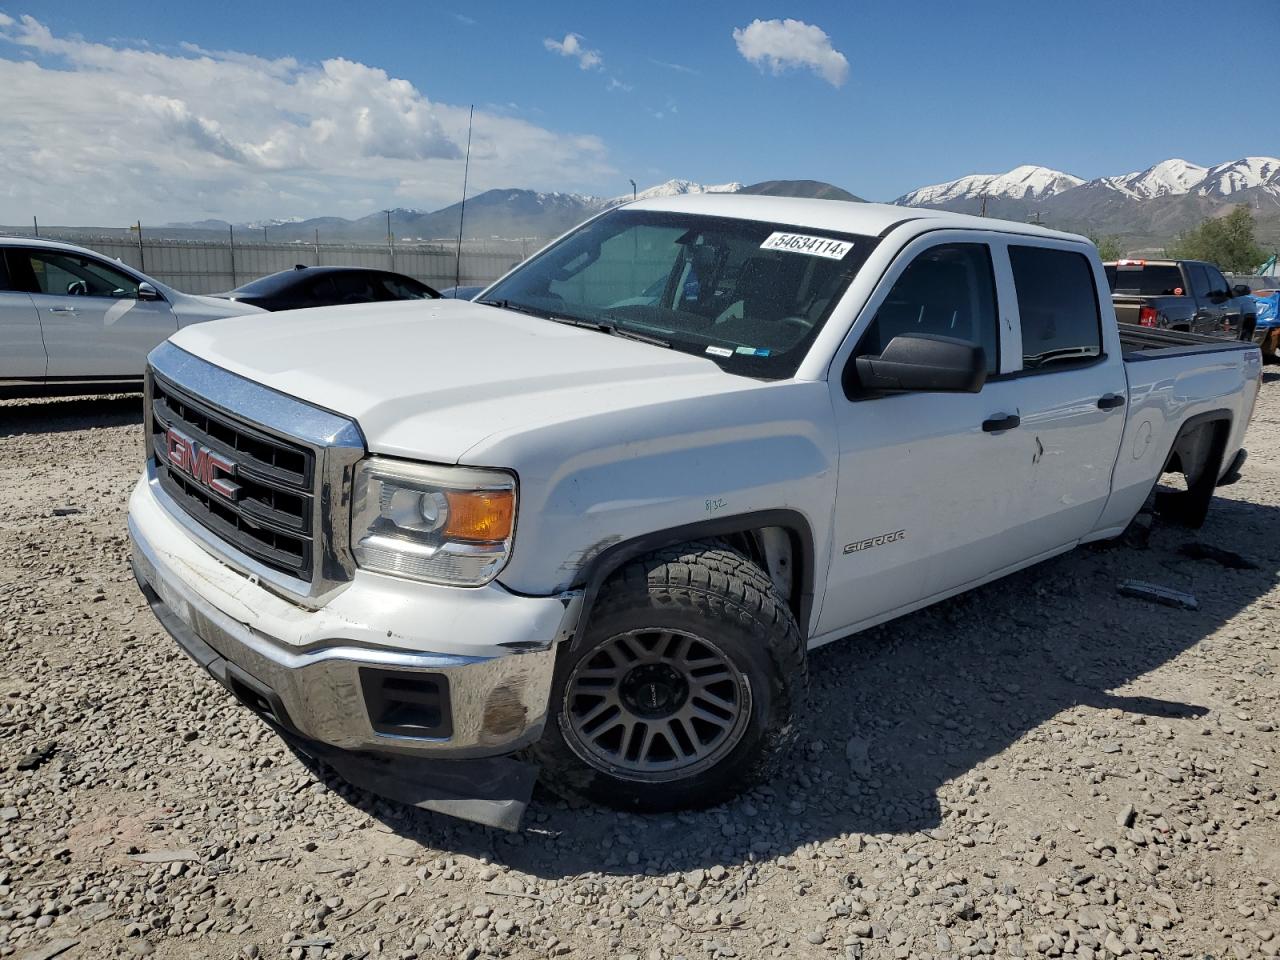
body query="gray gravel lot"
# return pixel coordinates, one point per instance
(1039, 768)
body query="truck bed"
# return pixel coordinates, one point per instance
(1146, 343)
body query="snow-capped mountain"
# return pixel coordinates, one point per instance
(1159, 202)
(1026, 182)
(678, 188)
(1243, 174)
(1167, 178)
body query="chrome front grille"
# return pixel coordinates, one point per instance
(261, 479)
(269, 517)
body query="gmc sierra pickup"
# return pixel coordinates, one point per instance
(1187, 295)
(591, 523)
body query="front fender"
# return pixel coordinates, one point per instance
(695, 465)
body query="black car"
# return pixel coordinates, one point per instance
(305, 286)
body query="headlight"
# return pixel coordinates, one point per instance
(448, 525)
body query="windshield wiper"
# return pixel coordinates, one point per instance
(515, 308)
(604, 325)
(610, 326)
(618, 331)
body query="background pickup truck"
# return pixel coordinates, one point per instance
(590, 524)
(1187, 295)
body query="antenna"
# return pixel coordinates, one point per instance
(466, 169)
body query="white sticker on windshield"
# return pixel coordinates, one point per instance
(813, 246)
(719, 351)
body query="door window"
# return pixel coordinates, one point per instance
(949, 291)
(354, 287)
(1217, 282)
(4, 272)
(1058, 307)
(320, 291)
(395, 288)
(1199, 278)
(65, 274)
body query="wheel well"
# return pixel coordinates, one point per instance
(776, 552)
(779, 541)
(1198, 453)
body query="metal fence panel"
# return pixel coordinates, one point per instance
(208, 266)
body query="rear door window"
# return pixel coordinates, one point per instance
(1058, 307)
(354, 286)
(395, 288)
(4, 272)
(948, 290)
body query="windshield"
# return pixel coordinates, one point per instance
(749, 295)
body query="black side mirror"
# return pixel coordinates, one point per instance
(922, 361)
(1240, 290)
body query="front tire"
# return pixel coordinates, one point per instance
(685, 689)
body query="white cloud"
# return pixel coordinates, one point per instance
(785, 44)
(5, 20)
(571, 46)
(99, 133)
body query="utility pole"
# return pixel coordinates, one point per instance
(633, 188)
(142, 257)
(1035, 218)
(391, 241)
(983, 211)
(36, 223)
(231, 246)
(317, 246)
(462, 212)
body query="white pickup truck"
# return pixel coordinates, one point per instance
(591, 523)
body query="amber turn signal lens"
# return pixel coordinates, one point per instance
(485, 516)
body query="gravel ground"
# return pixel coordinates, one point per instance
(1041, 767)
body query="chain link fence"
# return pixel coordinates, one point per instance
(212, 266)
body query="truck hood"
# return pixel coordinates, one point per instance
(428, 380)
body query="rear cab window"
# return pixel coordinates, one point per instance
(1057, 307)
(1140, 279)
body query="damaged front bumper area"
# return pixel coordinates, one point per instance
(431, 721)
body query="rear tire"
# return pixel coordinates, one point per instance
(685, 689)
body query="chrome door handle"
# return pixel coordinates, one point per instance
(62, 310)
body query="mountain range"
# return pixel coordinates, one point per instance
(1150, 206)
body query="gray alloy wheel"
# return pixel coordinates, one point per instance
(655, 705)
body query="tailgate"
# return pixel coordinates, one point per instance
(1127, 308)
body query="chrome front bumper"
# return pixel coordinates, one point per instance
(315, 677)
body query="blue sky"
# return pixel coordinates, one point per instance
(932, 91)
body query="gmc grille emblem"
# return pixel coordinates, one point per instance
(209, 469)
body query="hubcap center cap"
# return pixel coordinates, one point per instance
(653, 690)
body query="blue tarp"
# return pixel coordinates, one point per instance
(1268, 310)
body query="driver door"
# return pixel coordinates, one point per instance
(930, 482)
(94, 325)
